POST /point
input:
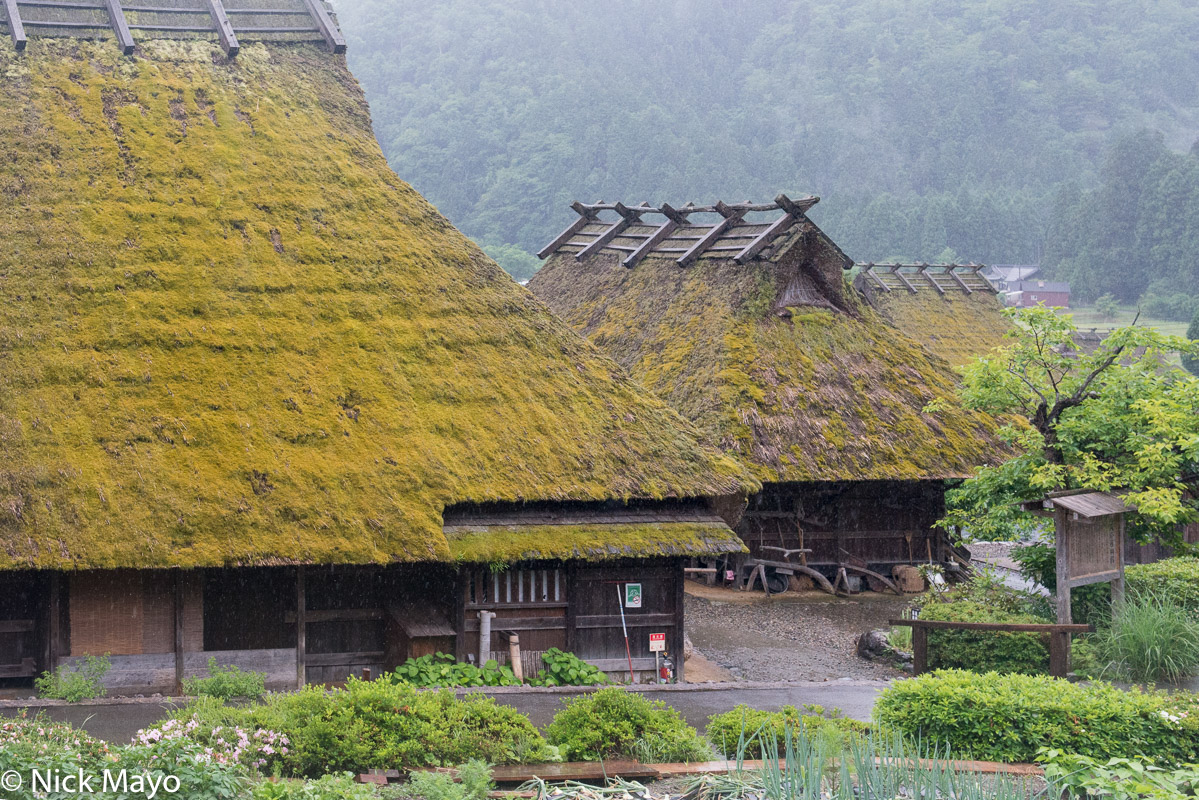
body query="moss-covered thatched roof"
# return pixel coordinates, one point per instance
(778, 361)
(956, 326)
(229, 334)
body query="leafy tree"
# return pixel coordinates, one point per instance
(1107, 306)
(1191, 360)
(1111, 419)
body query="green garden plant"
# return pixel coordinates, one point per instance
(567, 669)
(743, 730)
(1152, 637)
(1010, 717)
(473, 782)
(226, 682)
(1118, 778)
(83, 681)
(328, 787)
(614, 723)
(442, 669)
(1176, 578)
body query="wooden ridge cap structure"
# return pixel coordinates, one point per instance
(940, 278)
(677, 235)
(227, 22)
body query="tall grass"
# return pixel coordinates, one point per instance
(1151, 638)
(878, 765)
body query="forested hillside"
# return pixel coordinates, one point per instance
(931, 128)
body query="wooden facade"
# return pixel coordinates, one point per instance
(322, 624)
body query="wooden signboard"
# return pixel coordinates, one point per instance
(1089, 533)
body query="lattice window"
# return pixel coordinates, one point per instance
(522, 586)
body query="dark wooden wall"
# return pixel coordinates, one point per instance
(575, 607)
(879, 522)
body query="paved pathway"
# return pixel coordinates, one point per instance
(119, 721)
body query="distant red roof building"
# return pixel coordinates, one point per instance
(1025, 294)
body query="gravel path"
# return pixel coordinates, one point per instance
(791, 637)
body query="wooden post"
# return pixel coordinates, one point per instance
(679, 630)
(731, 217)
(919, 649)
(301, 628)
(572, 606)
(120, 27)
(178, 576)
(15, 28)
(586, 217)
(324, 22)
(1059, 654)
(1118, 583)
(777, 228)
(53, 645)
(1063, 566)
(464, 580)
(224, 28)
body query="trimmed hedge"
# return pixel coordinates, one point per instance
(1176, 578)
(725, 730)
(984, 651)
(1009, 718)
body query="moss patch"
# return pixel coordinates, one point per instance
(229, 334)
(510, 543)
(957, 327)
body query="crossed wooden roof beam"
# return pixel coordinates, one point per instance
(676, 234)
(927, 275)
(322, 22)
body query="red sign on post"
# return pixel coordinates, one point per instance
(657, 642)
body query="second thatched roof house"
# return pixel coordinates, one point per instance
(740, 316)
(260, 402)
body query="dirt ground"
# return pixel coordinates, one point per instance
(801, 636)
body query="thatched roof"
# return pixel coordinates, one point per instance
(488, 535)
(951, 309)
(229, 334)
(776, 359)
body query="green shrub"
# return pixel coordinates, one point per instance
(83, 681)
(380, 724)
(328, 787)
(1176, 578)
(442, 669)
(1151, 638)
(983, 651)
(226, 682)
(1010, 717)
(613, 723)
(473, 783)
(567, 669)
(742, 730)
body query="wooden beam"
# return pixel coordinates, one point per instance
(333, 37)
(731, 217)
(923, 270)
(796, 208)
(16, 625)
(895, 271)
(628, 216)
(779, 226)
(224, 28)
(15, 29)
(961, 283)
(869, 270)
(120, 27)
(978, 273)
(674, 219)
(301, 628)
(586, 217)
